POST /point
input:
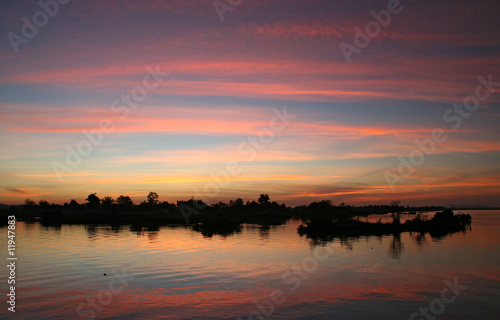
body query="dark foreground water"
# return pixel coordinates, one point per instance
(176, 273)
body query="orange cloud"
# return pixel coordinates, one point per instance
(23, 193)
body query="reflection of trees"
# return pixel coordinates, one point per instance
(94, 231)
(264, 232)
(348, 242)
(420, 239)
(209, 231)
(29, 225)
(153, 236)
(396, 247)
(110, 230)
(56, 227)
(115, 230)
(137, 229)
(91, 231)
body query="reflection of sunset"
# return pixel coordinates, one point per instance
(178, 273)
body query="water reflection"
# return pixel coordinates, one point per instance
(396, 247)
(180, 273)
(52, 226)
(152, 236)
(395, 250)
(264, 232)
(91, 231)
(419, 238)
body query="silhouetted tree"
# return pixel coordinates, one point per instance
(263, 199)
(43, 204)
(107, 202)
(326, 203)
(93, 201)
(220, 205)
(29, 203)
(168, 207)
(153, 198)
(236, 203)
(394, 210)
(124, 202)
(444, 215)
(73, 204)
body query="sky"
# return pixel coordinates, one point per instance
(358, 101)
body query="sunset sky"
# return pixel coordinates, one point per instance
(209, 129)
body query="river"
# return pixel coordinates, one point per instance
(258, 273)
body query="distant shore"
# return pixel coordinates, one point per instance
(319, 218)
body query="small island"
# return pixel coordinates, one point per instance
(443, 223)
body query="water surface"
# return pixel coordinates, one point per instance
(177, 273)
